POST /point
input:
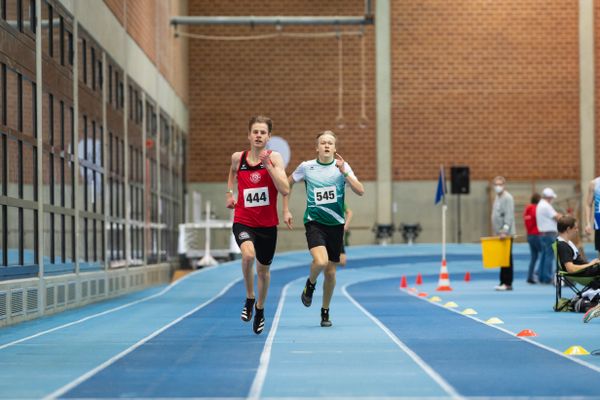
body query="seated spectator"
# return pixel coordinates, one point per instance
(568, 254)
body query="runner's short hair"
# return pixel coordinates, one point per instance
(261, 119)
(326, 133)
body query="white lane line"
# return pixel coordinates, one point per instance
(265, 357)
(89, 317)
(418, 360)
(540, 345)
(59, 392)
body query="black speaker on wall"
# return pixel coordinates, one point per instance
(459, 176)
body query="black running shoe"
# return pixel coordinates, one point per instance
(247, 310)
(307, 293)
(259, 320)
(325, 322)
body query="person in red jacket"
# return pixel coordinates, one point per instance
(533, 235)
(260, 176)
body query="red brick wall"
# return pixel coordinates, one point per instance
(294, 81)
(492, 85)
(118, 9)
(148, 23)
(142, 25)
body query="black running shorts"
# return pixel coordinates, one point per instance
(264, 240)
(332, 237)
(597, 239)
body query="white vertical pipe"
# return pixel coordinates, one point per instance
(384, 111)
(587, 112)
(40, 157)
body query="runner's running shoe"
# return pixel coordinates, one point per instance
(247, 310)
(592, 313)
(325, 322)
(307, 293)
(259, 320)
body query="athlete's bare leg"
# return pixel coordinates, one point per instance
(320, 261)
(248, 255)
(264, 278)
(328, 284)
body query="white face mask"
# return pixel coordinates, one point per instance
(499, 188)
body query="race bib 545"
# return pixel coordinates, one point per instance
(325, 195)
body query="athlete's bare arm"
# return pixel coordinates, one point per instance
(235, 162)
(355, 184)
(349, 215)
(273, 162)
(589, 205)
(287, 215)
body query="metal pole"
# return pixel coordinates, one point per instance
(444, 208)
(207, 259)
(368, 9)
(272, 20)
(459, 227)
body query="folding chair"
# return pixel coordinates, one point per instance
(571, 280)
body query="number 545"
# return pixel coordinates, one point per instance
(329, 195)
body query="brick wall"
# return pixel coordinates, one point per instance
(118, 9)
(294, 81)
(493, 85)
(142, 24)
(148, 23)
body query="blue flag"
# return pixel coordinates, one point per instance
(441, 187)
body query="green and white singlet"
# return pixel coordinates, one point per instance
(325, 191)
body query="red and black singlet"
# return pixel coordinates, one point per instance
(257, 196)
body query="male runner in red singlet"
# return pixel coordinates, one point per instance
(260, 175)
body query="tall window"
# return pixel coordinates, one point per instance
(19, 256)
(92, 249)
(116, 181)
(58, 137)
(152, 194)
(136, 175)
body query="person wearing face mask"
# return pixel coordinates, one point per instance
(503, 224)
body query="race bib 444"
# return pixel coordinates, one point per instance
(256, 197)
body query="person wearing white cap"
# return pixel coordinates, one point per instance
(546, 217)
(592, 211)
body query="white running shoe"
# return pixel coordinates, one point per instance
(592, 313)
(503, 288)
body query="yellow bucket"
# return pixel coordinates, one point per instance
(495, 251)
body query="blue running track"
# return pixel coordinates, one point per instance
(186, 340)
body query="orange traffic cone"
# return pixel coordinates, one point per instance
(527, 332)
(444, 281)
(419, 280)
(403, 283)
(467, 276)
